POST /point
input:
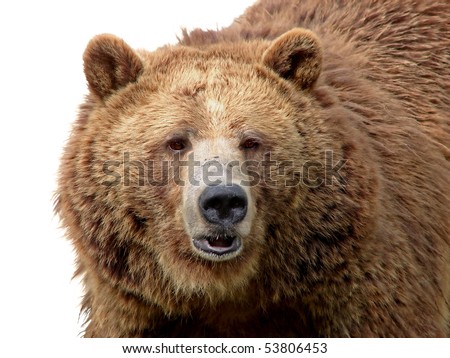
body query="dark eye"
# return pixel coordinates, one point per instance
(250, 144)
(177, 144)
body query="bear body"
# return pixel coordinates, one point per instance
(287, 176)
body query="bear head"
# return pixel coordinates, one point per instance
(192, 171)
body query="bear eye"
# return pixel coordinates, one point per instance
(177, 144)
(250, 144)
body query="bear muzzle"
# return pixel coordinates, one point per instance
(223, 206)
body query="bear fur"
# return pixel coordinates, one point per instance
(364, 252)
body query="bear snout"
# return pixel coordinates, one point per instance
(223, 205)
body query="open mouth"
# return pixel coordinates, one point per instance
(219, 245)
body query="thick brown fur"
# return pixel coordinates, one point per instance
(367, 255)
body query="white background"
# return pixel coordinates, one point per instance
(42, 84)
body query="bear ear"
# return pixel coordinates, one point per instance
(110, 64)
(296, 56)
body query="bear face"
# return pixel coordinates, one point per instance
(164, 122)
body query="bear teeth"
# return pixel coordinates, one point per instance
(221, 241)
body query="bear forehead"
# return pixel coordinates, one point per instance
(209, 111)
(188, 70)
(210, 76)
(216, 91)
(217, 104)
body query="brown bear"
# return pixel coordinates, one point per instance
(287, 176)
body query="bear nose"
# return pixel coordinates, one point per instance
(224, 205)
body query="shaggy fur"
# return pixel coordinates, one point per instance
(367, 255)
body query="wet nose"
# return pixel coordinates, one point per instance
(223, 205)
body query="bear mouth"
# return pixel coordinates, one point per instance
(218, 245)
